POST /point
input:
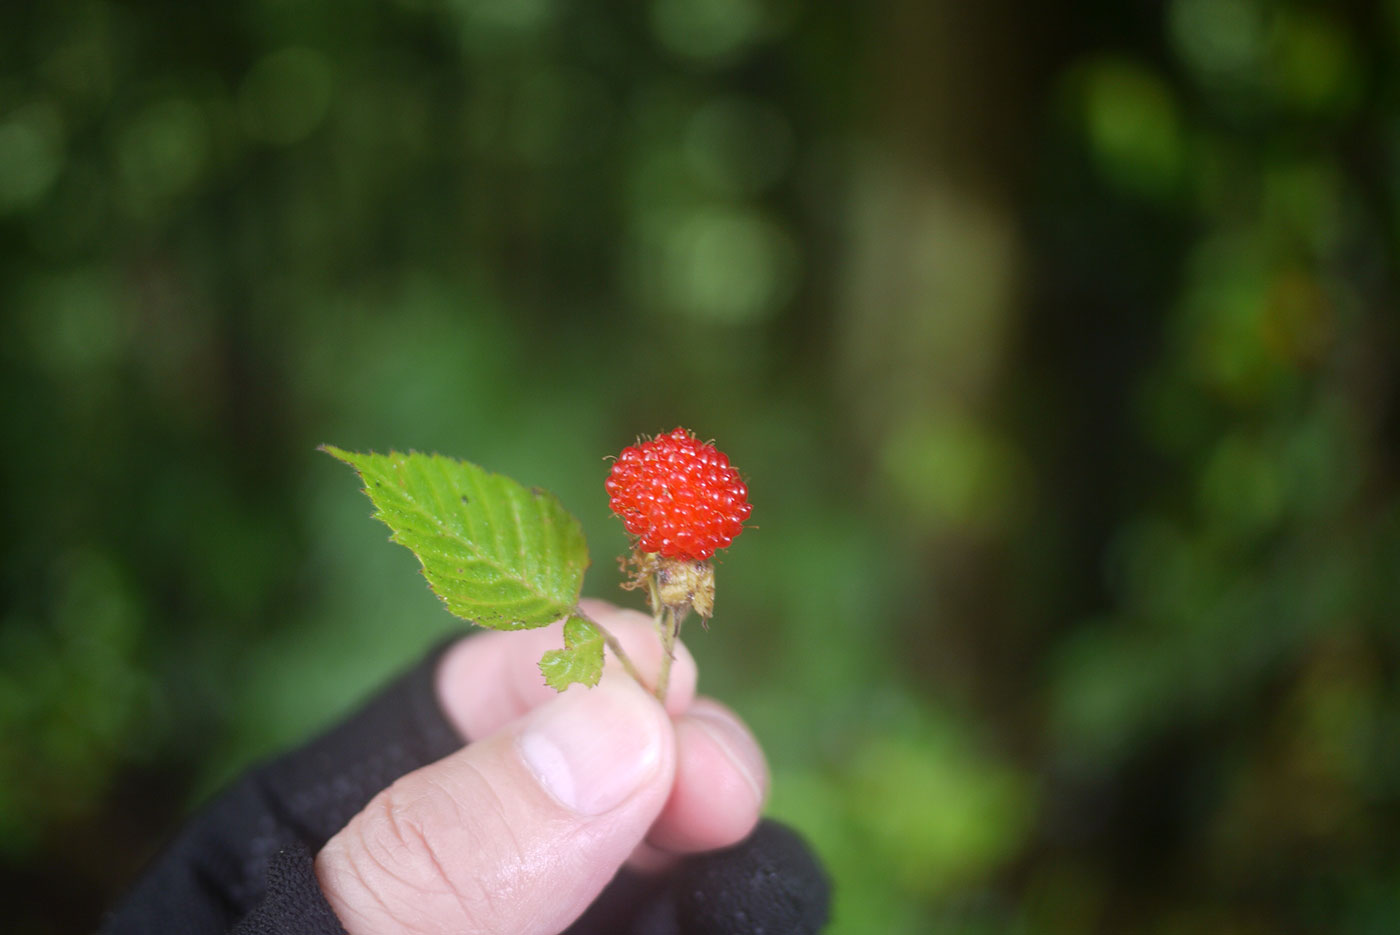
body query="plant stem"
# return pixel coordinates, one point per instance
(668, 625)
(654, 598)
(615, 646)
(668, 654)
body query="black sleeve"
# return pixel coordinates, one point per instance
(245, 864)
(247, 857)
(771, 882)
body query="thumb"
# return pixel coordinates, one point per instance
(516, 833)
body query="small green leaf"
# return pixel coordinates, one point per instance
(498, 554)
(581, 659)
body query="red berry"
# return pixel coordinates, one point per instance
(678, 496)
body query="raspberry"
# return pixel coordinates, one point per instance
(678, 496)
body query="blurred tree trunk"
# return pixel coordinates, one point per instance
(929, 306)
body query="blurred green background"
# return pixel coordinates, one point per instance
(1058, 344)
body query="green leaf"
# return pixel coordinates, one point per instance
(581, 659)
(498, 554)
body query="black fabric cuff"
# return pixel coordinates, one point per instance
(769, 882)
(216, 871)
(294, 903)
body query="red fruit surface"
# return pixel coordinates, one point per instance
(678, 496)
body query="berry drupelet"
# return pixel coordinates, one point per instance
(679, 496)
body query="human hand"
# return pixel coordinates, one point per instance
(518, 832)
(385, 823)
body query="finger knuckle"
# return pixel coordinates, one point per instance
(422, 853)
(401, 860)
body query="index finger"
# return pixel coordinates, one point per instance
(489, 679)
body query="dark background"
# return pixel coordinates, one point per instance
(1057, 342)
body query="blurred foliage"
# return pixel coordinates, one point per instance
(1059, 347)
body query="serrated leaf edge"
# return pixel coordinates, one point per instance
(549, 531)
(571, 646)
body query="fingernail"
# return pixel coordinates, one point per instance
(593, 748)
(734, 739)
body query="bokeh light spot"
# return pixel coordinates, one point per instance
(713, 30)
(31, 156)
(1313, 62)
(286, 95)
(163, 151)
(1133, 126)
(739, 145)
(718, 264)
(948, 471)
(1219, 39)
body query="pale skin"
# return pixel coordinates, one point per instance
(518, 832)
